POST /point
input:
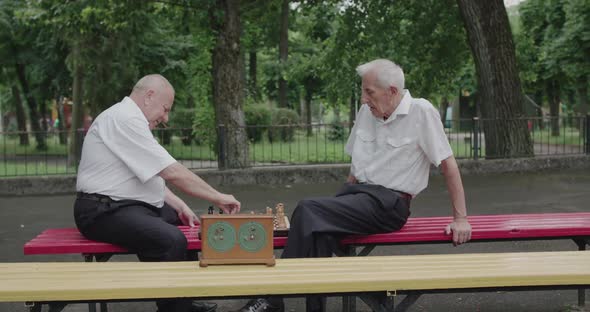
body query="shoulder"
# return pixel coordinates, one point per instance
(422, 108)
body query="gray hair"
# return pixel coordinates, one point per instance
(156, 81)
(388, 73)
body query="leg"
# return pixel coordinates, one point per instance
(318, 224)
(147, 232)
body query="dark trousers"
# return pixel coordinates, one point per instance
(148, 231)
(318, 224)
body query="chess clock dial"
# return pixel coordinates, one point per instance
(252, 236)
(221, 236)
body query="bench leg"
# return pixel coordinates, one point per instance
(349, 302)
(91, 305)
(57, 307)
(581, 291)
(34, 306)
(408, 301)
(379, 302)
(104, 307)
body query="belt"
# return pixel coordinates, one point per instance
(96, 197)
(404, 195)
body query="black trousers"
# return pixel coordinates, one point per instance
(148, 231)
(318, 224)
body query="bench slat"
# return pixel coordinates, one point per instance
(417, 230)
(145, 280)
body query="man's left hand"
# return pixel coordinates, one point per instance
(188, 217)
(461, 230)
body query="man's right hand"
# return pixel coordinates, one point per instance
(228, 203)
(351, 179)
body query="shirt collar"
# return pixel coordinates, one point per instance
(134, 108)
(404, 106)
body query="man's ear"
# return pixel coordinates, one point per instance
(148, 94)
(394, 91)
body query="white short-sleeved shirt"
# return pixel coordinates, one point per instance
(121, 158)
(397, 153)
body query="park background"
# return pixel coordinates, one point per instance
(266, 93)
(263, 83)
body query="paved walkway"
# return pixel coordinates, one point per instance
(21, 218)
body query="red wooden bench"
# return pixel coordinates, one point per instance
(422, 230)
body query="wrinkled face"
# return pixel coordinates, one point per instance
(158, 104)
(378, 98)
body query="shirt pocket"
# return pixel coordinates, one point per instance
(365, 145)
(402, 147)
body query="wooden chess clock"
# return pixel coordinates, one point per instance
(237, 239)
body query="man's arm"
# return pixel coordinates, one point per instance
(186, 215)
(188, 182)
(351, 179)
(460, 226)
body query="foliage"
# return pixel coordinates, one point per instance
(182, 119)
(204, 127)
(337, 132)
(258, 118)
(282, 121)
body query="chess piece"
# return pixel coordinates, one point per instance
(281, 216)
(268, 211)
(210, 210)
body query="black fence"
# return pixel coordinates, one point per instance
(22, 155)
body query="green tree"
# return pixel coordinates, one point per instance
(498, 83)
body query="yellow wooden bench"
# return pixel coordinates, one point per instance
(391, 275)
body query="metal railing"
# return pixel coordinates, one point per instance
(289, 145)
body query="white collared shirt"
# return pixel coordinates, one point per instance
(121, 158)
(397, 153)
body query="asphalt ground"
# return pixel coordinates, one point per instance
(22, 218)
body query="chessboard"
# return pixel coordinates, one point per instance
(281, 223)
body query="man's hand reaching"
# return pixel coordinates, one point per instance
(461, 230)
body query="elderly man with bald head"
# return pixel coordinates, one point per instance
(122, 195)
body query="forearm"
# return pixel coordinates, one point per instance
(188, 182)
(175, 201)
(452, 176)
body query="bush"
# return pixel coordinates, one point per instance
(182, 118)
(258, 119)
(336, 132)
(284, 122)
(204, 127)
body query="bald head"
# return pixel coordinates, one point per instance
(154, 82)
(154, 95)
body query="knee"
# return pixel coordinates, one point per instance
(304, 208)
(173, 245)
(177, 240)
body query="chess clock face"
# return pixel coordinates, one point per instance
(252, 236)
(221, 236)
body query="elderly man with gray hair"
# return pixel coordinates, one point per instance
(122, 195)
(394, 141)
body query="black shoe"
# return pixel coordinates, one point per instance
(263, 305)
(200, 306)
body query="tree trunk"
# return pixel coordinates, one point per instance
(352, 110)
(228, 85)
(75, 150)
(443, 111)
(307, 99)
(283, 53)
(582, 90)
(252, 75)
(21, 118)
(33, 112)
(554, 99)
(61, 128)
(500, 95)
